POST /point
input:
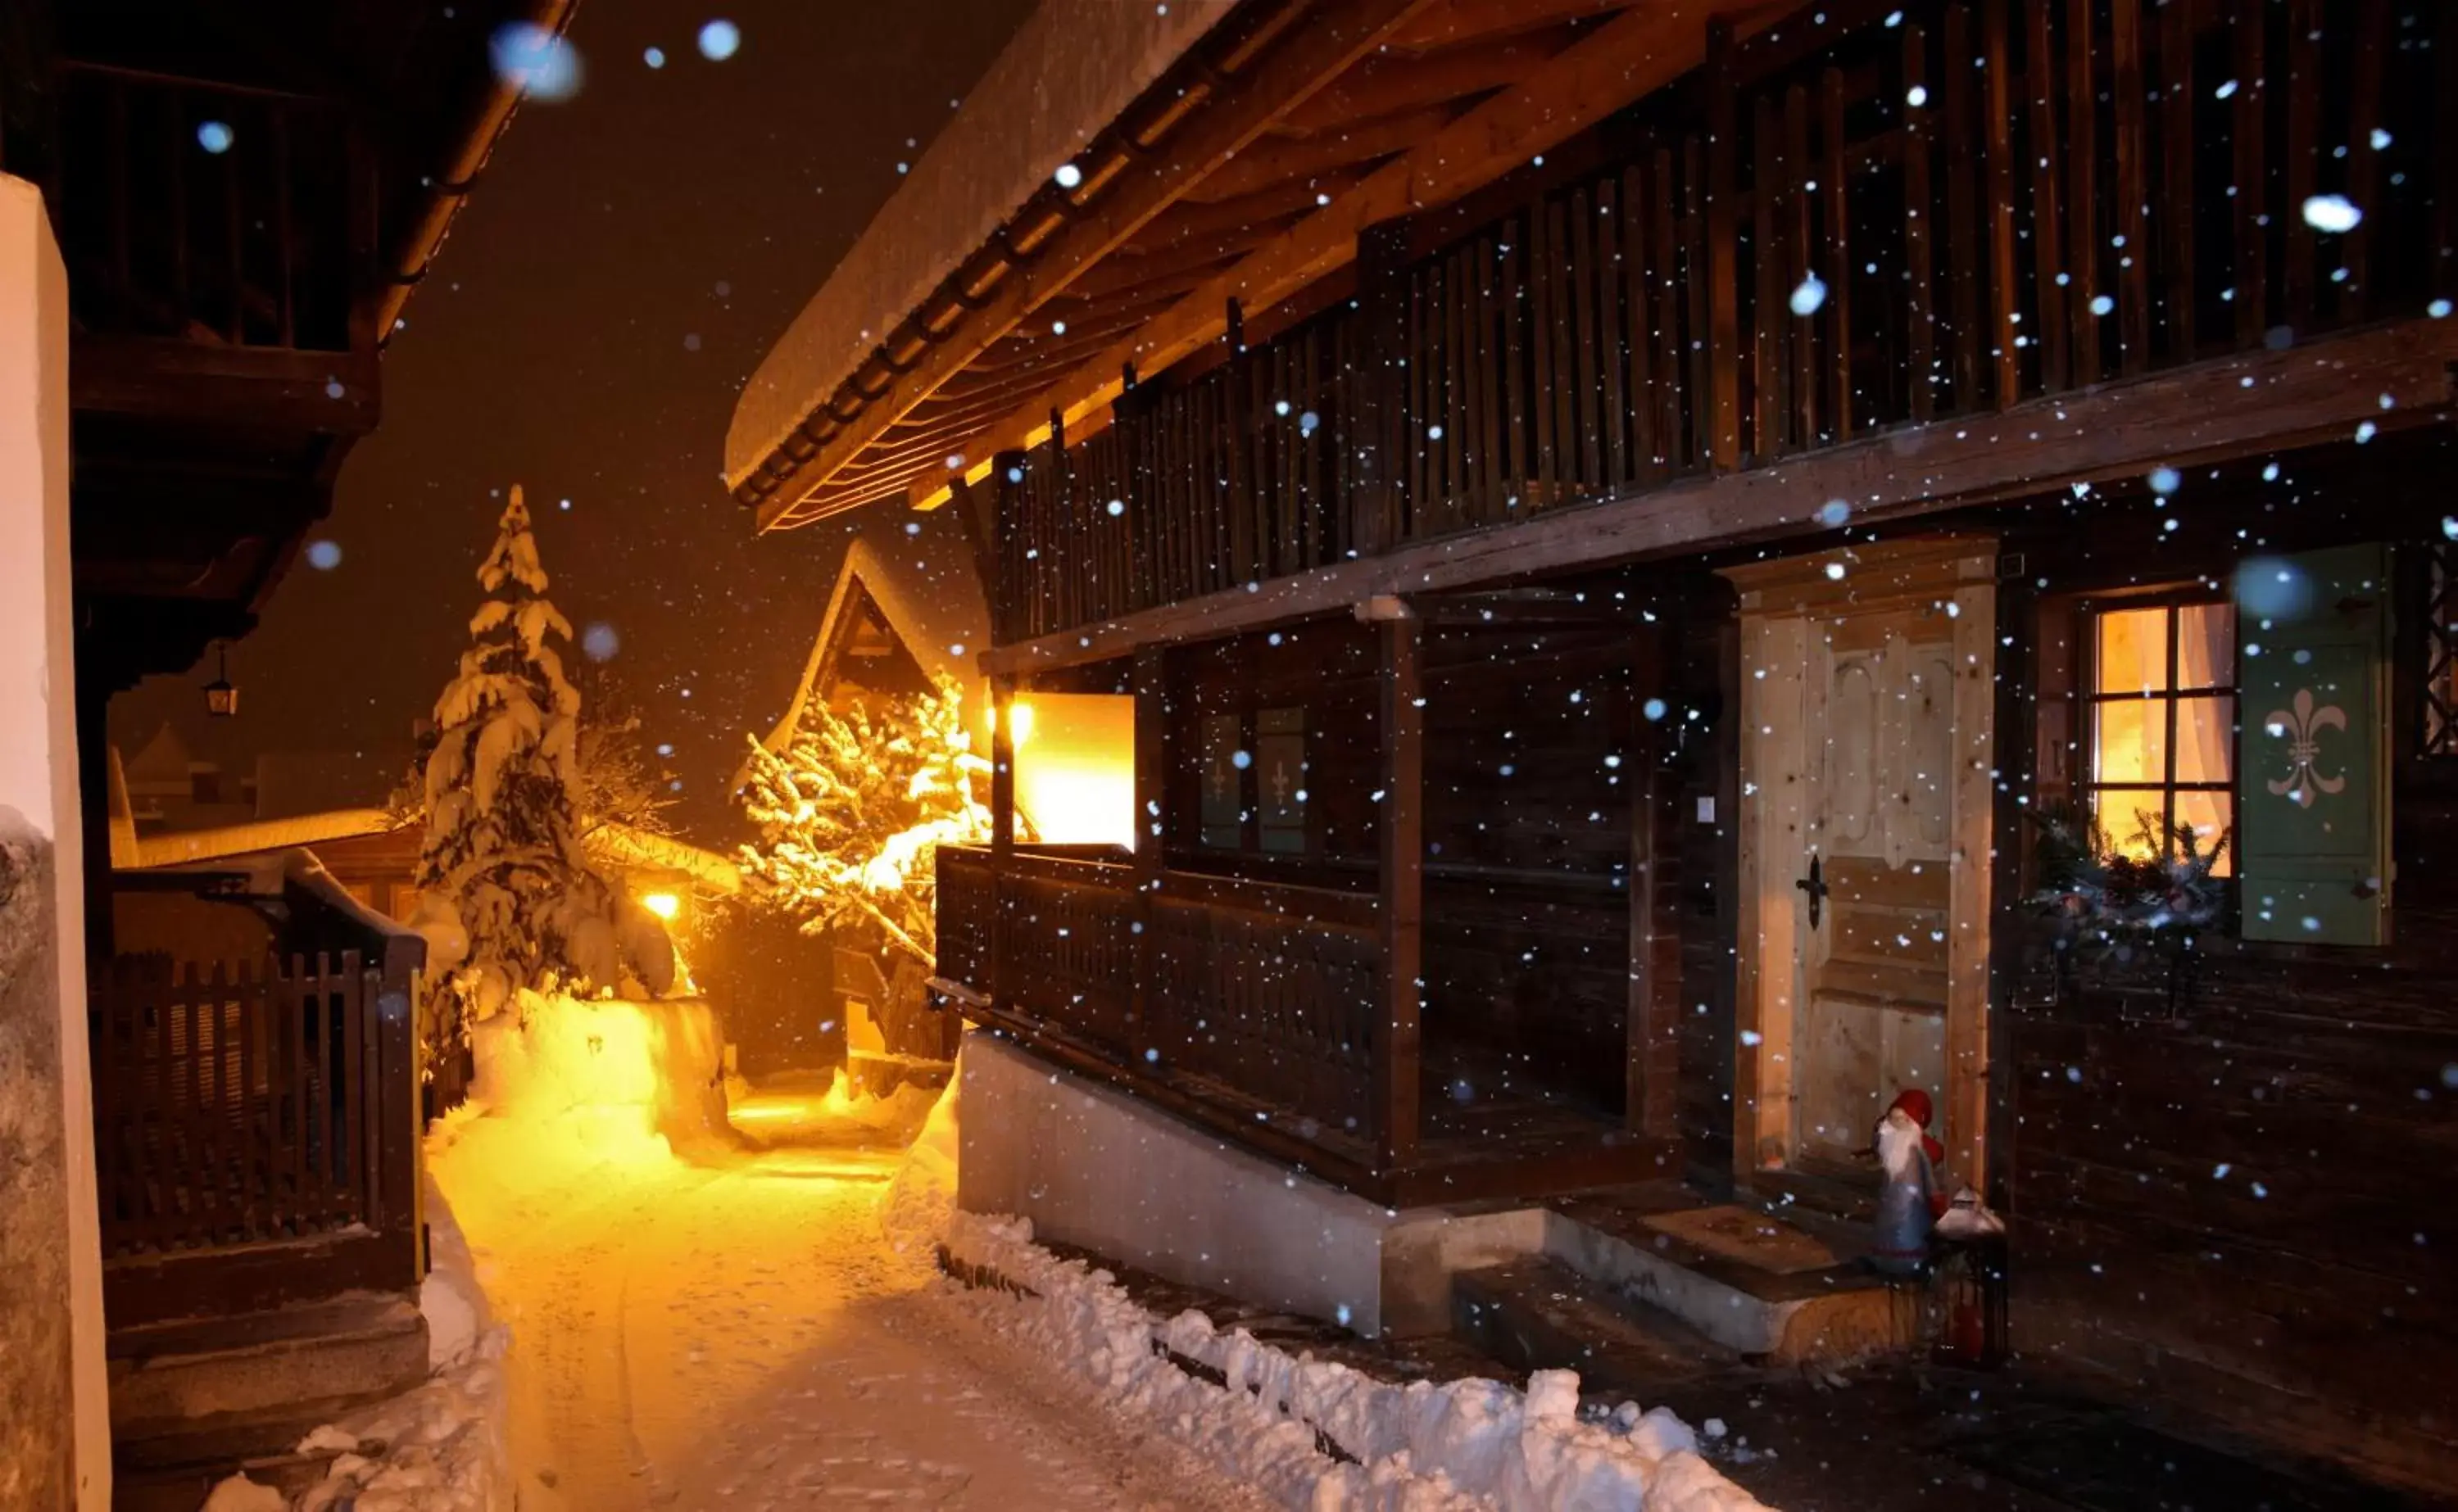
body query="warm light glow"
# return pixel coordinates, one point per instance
(1019, 722)
(1077, 783)
(665, 905)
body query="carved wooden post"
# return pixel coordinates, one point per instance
(1151, 722)
(1003, 686)
(1401, 823)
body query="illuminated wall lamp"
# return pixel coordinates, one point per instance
(221, 699)
(665, 905)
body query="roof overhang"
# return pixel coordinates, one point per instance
(1240, 171)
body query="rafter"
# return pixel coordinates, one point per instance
(1630, 56)
(1309, 53)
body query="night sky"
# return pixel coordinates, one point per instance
(627, 260)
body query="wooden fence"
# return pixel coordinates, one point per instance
(241, 1102)
(1246, 997)
(1912, 214)
(186, 207)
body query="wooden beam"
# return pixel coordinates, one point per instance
(1315, 51)
(1633, 56)
(1401, 826)
(1269, 163)
(1395, 82)
(1151, 778)
(2230, 407)
(1452, 22)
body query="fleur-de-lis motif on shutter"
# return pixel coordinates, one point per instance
(2312, 672)
(2303, 725)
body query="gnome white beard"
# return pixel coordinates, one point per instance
(1899, 1146)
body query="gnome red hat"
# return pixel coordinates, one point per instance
(1914, 1103)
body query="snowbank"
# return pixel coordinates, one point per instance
(921, 1199)
(620, 1073)
(1319, 1437)
(437, 1448)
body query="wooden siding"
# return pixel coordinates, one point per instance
(1585, 340)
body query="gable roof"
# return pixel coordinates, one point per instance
(916, 573)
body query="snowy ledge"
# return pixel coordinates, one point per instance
(1321, 1436)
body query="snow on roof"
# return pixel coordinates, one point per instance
(918, 569)
(260, 836)
(164, 759)
(1073, 66)
(637, 847)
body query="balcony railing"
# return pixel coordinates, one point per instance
(1950, 208)
(1245, 1005)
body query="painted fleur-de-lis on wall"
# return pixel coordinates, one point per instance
(2303, 725)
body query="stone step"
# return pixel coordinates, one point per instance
(221, 1390)
(1541, 1315)
(1821, 1313)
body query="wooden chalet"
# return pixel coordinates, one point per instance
(1619, 519)
(243, 194)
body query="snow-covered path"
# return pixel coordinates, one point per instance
(734, 1332)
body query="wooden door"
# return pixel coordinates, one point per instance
(1867, 686)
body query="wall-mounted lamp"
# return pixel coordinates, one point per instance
(665, 905)
(221, 699)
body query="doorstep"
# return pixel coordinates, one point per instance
(1757, 1285)
(222, 1390)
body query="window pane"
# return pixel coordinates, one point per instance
(2211, 816)
(2204, 740)
(2121, 813)
(2134, 651)
(2131, 741)
(2206, 646)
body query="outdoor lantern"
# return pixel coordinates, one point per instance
(221, 699)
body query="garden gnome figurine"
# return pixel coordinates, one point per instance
(1907, 1201)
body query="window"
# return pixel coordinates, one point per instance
(2441, 650)
(2162, 725)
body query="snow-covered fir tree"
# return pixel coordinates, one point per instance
(508, 900)
(851, 814)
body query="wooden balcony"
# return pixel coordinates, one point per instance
(1842, 240)
(1255, 1009)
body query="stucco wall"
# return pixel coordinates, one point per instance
(54, 1439)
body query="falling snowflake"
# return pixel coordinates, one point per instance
(535, 61)
(719, 40)
(1808, 296)
(2332, 212)
(214, 136)
(325, 555)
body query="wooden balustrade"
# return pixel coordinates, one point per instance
(1249, 997)
(240, 1102)
(193, 211)
(1945, 210)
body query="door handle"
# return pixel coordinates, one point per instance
(1815, 885)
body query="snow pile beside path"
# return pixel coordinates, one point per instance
(1318, 1436)
(621, 1073)
(921, 1200)
(440, 1447)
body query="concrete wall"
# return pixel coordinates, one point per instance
(54, 1413)
(1092, 1166)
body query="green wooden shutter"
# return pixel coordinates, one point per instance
(2313, 793)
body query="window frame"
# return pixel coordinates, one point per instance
(2089, 699)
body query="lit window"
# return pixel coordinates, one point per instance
(2162, 707)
